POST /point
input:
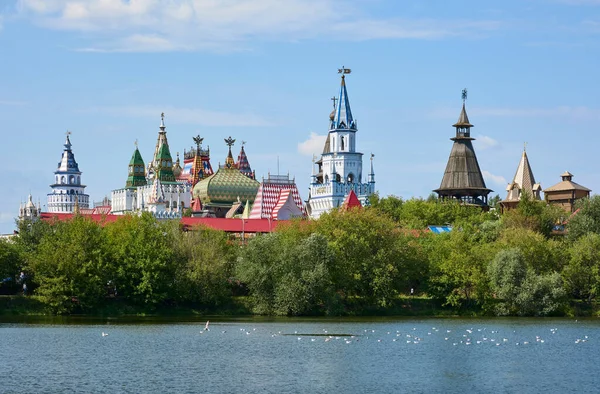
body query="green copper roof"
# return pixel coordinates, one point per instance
(165, 165)
(225, 187)
(136, 158)
(137, 171)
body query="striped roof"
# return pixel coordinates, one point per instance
(243, 165)
(269, 194)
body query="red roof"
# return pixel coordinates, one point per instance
(351, 201)
(232, 225)
(223, 224)
(96, 217)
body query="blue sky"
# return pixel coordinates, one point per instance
(263, 71)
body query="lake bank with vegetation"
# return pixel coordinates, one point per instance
(363, 262)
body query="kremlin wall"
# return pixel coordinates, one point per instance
(195, 192)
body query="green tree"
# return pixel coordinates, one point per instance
(370, 263)
(143, 259)
(10, 264)
(582, 274)
(457, 267)
(70, 266)
(520, 290)
(206, 263)
(287, 276)
(587, 218)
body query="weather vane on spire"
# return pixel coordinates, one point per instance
(464, 95)
(229, 141)
(162, 116)
(243, 143)
(136, 143)
(68, 133)
(344, 70)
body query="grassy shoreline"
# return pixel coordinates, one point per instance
(18, 305)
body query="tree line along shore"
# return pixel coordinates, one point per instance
(378, 260)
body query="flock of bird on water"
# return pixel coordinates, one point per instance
(471, 336)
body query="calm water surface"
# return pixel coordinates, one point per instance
(303, 356)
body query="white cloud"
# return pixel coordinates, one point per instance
(484, 142)
(496, 179)
(197, 116)
(313, 145)
(168, 25)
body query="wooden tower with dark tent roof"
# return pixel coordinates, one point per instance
(462, 179)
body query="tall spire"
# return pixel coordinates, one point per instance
(372, 173)
(343, 114)
(162, 162)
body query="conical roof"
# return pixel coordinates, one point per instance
(67, 161)
(462, 170)
(343, 114)
(462, 177)
(137, 174)
(242, 163)
(136, 158)
(463, 119)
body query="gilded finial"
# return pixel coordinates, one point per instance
(464, 95)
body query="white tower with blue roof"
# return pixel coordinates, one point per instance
(67, 190)
(340, 165)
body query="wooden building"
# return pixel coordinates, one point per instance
(523, 182)
(566, 193)
(463, 179)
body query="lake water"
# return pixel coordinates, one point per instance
(302, 356)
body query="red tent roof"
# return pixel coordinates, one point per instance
(351, 201)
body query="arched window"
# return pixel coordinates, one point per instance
(326, 178)
(350, 178)
(71, 179)
(62, 180)
(174, 204)
(182, 205)
(167, 204)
